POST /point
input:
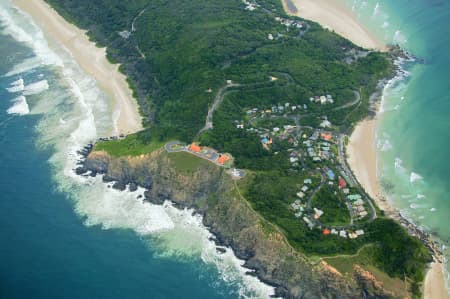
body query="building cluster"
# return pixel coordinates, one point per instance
(211, 155)
(357, 205)
(344, 233)
(289, 23)
(318, 145)
(250, 5)
(328, 99)
(298, 205)
(279, 109)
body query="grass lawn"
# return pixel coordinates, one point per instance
(186, 162)
(132, 145)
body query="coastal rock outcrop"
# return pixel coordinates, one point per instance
(212, 193)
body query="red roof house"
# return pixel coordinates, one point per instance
(342, 183)
(326, 137)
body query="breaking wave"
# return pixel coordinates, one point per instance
(21, 27)
(399, 38)
(16, 86)
(385, 145)
(35, 88)
(414, 177)
(75, 112)
(19, 107)
(398, 164)
(417, 206)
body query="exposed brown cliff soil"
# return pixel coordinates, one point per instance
(210, 191)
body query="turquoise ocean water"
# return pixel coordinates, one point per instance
(414, 129)
(63, 236)
(67, 237)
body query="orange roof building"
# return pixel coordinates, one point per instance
(223, 159)
(326, 137)
(195, 148)
(326, 232)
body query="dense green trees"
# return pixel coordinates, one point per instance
(180, 49)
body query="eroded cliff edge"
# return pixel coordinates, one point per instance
(209, 190)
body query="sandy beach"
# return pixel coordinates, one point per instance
(335, 16)
(91, 59)
(433, 288)
(361, 150)
(362, 159)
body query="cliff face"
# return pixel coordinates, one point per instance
(211, 192)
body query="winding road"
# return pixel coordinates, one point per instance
(217, 101)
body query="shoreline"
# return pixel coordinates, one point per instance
(361, 151)
(91, 59)
(362, 158)
(335, 17)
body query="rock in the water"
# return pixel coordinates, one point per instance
(221, 250)
(119, 186)
(107, 179)
(81, 170)
(133, 187)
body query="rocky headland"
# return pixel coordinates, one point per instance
(210, 191)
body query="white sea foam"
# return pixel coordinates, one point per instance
(16, 86)
(179, 232)
(20, 26)
(36, 87)
(398, 164)
(386, 146)
(20, 106)
(86, 114)
(414, 177)
(376, 10)
(399, 38)
(417, 206)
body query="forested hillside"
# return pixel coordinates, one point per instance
(180, 49)
(258, 63)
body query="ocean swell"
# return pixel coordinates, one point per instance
(75, 113)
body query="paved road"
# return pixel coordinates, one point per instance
(169, 149)
(322, 182)
(356, 101)
(217, 101)
(349, 173)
